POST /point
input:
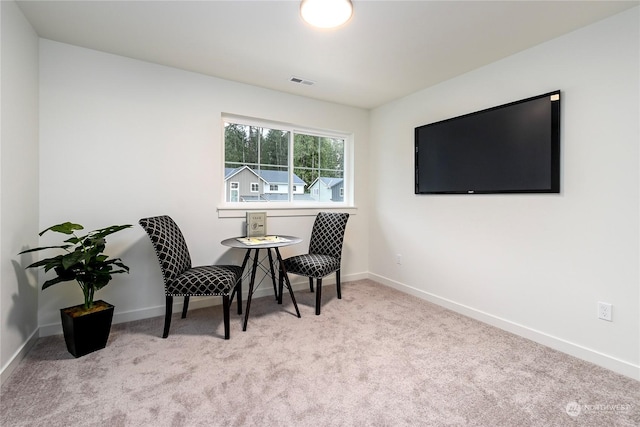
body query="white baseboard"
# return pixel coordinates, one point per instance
(351, 277)
(299, 283)
(17, 357)
(576, 350)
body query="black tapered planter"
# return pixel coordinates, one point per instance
(86, 331)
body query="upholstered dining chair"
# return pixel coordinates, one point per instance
(324, 256)
(181, 279)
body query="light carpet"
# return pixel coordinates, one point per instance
(378, 357)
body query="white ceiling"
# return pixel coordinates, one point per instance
(388, 50)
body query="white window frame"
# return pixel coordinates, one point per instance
(237, 209)
(255, 187)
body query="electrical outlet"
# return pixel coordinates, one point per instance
(604, 311)
(398, 259)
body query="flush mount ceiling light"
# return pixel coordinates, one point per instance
(326, 13)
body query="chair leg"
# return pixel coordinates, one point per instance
(338, 284)
(167, 316)
(237, 289)
(318, 296)
(226, 307)
(311, 284)
(185, 306)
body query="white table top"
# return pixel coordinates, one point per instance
(271, 241)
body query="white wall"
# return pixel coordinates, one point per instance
(533, 264)
(18, 184)
(123, 139)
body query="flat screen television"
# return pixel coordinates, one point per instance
(511, 148)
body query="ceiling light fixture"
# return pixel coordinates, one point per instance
(326, 13)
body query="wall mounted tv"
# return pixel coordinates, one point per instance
(512, 148)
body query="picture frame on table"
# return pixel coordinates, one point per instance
(256, 224)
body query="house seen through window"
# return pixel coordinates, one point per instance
(267, 162)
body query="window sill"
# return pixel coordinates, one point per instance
(240, 210)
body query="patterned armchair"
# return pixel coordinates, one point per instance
(325, 253)
(181, 279)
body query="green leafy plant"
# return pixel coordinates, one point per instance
(83, 260)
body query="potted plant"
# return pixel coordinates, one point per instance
(86, 326)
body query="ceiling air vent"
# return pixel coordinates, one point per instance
(301, 81)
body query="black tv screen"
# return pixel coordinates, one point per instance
(512, 148)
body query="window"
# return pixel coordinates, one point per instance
(274, 162)
(234, 186)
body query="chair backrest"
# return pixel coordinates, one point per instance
(327, 234)
(169, 244)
